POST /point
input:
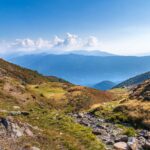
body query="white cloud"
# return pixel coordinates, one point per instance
(57, 41)
(56, 45)
(30, 45)
(92, 42)
(124, 46)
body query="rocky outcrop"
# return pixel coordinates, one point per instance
(12, 130)
(112, 135)
(141, 91)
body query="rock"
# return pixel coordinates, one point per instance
(132, 143)
(14, 113)
(16, 131)
(100, 120)
(101, 126)
(141, 141)
(121, 138)
(74, 115)
(98, 131)
(3, 111)
(4, 122)
(81, 115)
(16, 107)
(121, 146)
(10, 118)
(109, 142)
(34, 148)
(28, 147)
(28, 132)
(147, 145)
(145, 134)
(85, 122)
(25, 113)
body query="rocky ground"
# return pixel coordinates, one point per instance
(112, 135)
(11, 131)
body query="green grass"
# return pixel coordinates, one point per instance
(129, 131)
(47, 90)
(71, 135)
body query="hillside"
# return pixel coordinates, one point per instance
(128, 116)
(85, 70)
(134, 80)
(34, 111)
(142, 91)
(25, 75)
(137, 107)
(104, 85)
(44, 113)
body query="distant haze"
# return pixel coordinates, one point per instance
(85, 70)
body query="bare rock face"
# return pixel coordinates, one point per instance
(15, 129)
(141, 91)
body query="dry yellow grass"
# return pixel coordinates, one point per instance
(138, 110)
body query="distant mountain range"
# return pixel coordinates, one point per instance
(134, 80)
(85, 70)
(90, 53)
(104, 85)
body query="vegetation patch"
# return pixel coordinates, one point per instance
(79, 137)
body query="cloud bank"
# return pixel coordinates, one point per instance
(56, 45)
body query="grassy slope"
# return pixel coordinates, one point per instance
(48, 104)
(49, 100)
(125, 109)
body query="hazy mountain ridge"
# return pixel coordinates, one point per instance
(85, 70)
(104, 85)
(134, 80)
(90, 53)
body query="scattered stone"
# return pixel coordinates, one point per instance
(81, 115)
(10, 118)
(97, 131)
(3, 111)
(28, 147)
(141, 141)
(147, 145)
(28, 132)
(109, 133)
(85, 122)
(4, 122)
(132, 143)
(121, 138)
(25, 113)
(121, 146)
(14, 113)
(16, 107)
(16, 131)
(109, 142)
(34, 148)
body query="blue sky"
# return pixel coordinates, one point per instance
(117, 26)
